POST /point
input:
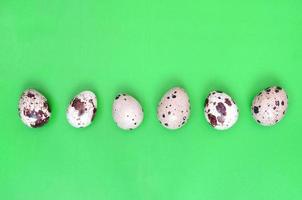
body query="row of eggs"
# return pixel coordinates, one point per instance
(173, 111)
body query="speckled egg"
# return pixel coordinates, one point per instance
(220, 110)
(82, 109)
(174, 108)
(270, 106)
(33, 108)
(127, 112)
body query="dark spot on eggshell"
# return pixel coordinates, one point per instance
(277, 103)
(220, 119)
(228, 102)
(256, 109)
(212, 119)
(30, 95)
(27, 112)
(45, 105)
(79, 106)
(206, 102)
(40, 122)
(40, 117)
(282, 103)
(166, 124)
(221, 109)
(93, 115)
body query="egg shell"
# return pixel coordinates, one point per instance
(127, 112)
(174, 108)
(220, 110)
(82, 109)
(270, 105)
(34, 110)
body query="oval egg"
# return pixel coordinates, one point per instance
(127, 112)
(174, 108)
(82, 109)
(270, 106)
(33, 109)
(220, 110)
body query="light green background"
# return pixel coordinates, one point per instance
(144, 47)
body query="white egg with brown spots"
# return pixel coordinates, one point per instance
(127, 112)
(270, 106)
(173, 110)
(220, 110)
(33, 109)
(82, 109)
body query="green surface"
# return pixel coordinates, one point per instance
(61, 47)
